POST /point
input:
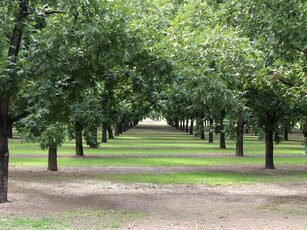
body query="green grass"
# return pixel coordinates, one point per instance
(207, 178)
(13, 222)
(157, 161)
(165, 147)
(73, 219)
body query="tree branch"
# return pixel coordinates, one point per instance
(17, 118)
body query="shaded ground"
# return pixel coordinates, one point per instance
(260, 206)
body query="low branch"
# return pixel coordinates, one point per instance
(53, 12)
(17, 118)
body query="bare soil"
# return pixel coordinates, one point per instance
(262, 206)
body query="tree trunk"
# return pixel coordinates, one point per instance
(187, 126)
(10, 130)
(78, 133)
(239, 140)
(4, 102)
(117, 129)
(104, 133)
(269, 147)
(222, 131)
(52, 158)
(4, 151)
(210, 131)
(304, 130)
(110, 132)
(286, 132)
(202, 130)
(121, 127)
(191, 126)
(177, 124)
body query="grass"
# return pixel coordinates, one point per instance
(13, 222)
(208, 178)
(155, 148)
(73, 219)
(152, 146)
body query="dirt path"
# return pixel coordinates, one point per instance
(261, 206)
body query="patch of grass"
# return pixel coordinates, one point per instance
(208, 178)
(157, 161)
(285, 208)
(73, 219)
(12, 222)
(101, 217)
(152, 146)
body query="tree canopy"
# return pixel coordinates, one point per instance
(66, 67)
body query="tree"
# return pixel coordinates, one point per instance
(8, 84)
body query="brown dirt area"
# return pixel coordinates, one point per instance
(258, 206)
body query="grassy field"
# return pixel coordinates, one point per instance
(162, 146)
(106, 188)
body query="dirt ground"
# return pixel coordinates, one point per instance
(260, 206)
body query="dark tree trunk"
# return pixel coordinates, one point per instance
(239, 140)
(121, 127)
(304, 130)
(177, 124)
(202, 130)
(52, 158)
(183, 125)
(246, 129)
(4, 102)
(191, 127)
(286, 132)
(269, 147)
(210, 131)
(117, 129)
(110, 132)
(10, 130)
(125, 126)
(222, 131)
(78, 133)
(104, 133)
(187, 126)
(4, 151)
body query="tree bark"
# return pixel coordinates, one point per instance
(52, 158)
(104, 133)
(239, 140)
(269, 147)
(110, 132)
(286, 132)
(177, 124)
(222, 131)
(117, 129)
(4, 101)
(191, 126)
(202, 130)
(79, 145)
(210, 131)
(9, 129)
(4, 151)
(187, 126)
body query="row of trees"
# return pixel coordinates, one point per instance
(68, 67)
(240, 62)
